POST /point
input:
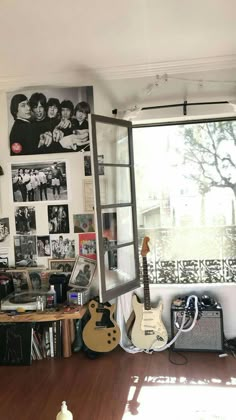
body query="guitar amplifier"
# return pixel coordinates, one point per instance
(206, 335)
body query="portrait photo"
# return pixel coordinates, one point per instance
(58, 219)
(62, 246)
(43, 246)
(83, 223)
(49, 120)
(25, 251)
(83, 273)
(65, 265)
(21, 281)
(25, 220)
(39, 277)
(4, 231)
(39, 181)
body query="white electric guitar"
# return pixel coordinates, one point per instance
(148, 332)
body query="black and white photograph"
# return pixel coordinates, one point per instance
(88, 167)
(65, 265)
(49, 120)
(39, 181)
(43, 246)
(25, 220)
(83, 273)
(20, 279)
(4, 261)
(62, 246)
(58, 219)
(39, 277)
(4, 230)
(25, 251)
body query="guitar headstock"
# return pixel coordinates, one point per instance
(145, 247)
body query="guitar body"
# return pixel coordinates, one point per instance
(101, 333)
(148, 331)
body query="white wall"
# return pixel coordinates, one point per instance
(107, 96)
(225, 294)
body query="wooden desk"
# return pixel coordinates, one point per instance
(68, 332)
(42, 316)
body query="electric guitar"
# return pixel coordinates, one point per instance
(101, 333)
(148, 332)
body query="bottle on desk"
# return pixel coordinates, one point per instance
(64, 414)
(51, 297)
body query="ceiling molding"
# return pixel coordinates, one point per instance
(84, 77)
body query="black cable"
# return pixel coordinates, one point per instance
(179, 354)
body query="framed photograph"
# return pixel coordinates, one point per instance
(87, 165)
(82, 273)
(39, 181)
(49, 120)
(65, 265)
(21, 280)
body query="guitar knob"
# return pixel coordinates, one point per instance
(114, 339)
(114, 331)
(109, 334)
(109, 341)
(92, 305)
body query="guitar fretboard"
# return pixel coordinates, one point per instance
(147, 303)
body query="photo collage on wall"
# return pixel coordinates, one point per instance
(42, 121)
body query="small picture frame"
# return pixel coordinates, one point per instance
(65, 265)
(82, 273)
(21, 280)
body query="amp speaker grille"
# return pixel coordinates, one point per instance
(207, 334)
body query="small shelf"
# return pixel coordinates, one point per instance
(43, 316)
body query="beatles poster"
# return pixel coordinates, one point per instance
(49, 120)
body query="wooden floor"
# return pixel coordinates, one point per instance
(122, 386)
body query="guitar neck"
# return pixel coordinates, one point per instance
(147, 303)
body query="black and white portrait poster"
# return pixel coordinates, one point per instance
(39, 181)
(25, 251)
(44, 246)
(25, 220)
(49, 120)
(58, 219)
(4, 230)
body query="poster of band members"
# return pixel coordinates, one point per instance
(49, 120)
(58, 219)
(39, 181)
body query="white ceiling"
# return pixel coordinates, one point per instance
(115, 39)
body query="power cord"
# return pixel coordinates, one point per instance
(171, 352)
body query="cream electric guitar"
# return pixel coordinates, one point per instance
(148, 332)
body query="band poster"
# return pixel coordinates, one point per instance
(49, 120)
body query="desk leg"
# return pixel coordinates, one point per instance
(66, 338)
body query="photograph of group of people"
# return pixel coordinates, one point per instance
(58, 219)
(25, 220)
(39, 181)
(43, 246)
(62, 247)
(25, 251)
(49, 120)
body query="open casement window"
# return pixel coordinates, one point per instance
(115, 206)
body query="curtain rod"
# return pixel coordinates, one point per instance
(185, 104)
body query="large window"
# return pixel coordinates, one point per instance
(186, 188)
